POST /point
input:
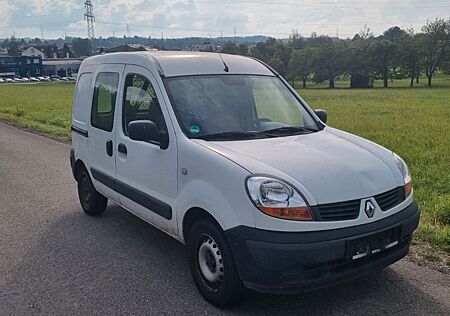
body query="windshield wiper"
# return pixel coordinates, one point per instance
(235, 135)
(288, 130)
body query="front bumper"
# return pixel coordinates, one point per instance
(288, 262)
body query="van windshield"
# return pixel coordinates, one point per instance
(233, 107)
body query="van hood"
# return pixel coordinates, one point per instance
(330, 165)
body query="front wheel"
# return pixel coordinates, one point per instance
(212, 265)
(92, 202)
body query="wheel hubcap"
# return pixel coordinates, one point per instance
(210, 261)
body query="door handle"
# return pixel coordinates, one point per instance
(122, 148)
(109, 148)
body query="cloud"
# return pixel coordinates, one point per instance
(178, 18)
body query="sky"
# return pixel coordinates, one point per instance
(214, 18)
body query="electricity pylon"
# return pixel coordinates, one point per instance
(90, 18)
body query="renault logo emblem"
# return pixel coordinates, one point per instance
(369, 209)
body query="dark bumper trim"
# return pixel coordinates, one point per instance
(281, 262)
(79, 131)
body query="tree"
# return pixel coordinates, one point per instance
(296, 41)
(435, 45)
(330, 59)
(273, 52)
(37, 41)
(393, 34)
(49, 51)
(357, 62)
(13, 47)
(301, 64)
(81, 47)
(230, 48)
(243, 49)
(66, 51)
(409, 55)
(381, 57)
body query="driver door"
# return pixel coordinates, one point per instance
(147, 174)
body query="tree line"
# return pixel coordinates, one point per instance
(397, 54)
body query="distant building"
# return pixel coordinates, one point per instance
(128, 48)
(63, 67)
(33, 52)
(3, 52)
(20, 66)
(205, 47)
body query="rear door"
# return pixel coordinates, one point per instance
(146, 174)
(102, 128)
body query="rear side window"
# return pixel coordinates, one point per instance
(82, 98)
(104, 100)
(140, 102)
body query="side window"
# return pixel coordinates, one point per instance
(140, 102)
(104, 100)
(82, 98)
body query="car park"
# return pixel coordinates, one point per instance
(219, 152)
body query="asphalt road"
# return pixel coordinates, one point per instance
(56, 260)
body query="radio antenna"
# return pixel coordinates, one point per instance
(226, 69)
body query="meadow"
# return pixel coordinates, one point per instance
(413, 122)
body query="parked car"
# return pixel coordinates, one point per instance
(219, 152)
(17, 80)
(72, 79)
(45, 79)
(2, 80)
(55, 78)
(9, 80)
(64, 79)
(25, 80)
(34, 79)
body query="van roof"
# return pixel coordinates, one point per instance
(179, 63)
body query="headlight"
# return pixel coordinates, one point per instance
(278, 199)
(405, 173)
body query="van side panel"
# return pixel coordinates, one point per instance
(80, 115)
(82, 101)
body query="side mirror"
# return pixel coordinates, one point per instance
(148, 131)
(322, 115)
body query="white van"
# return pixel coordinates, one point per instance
(221, 153)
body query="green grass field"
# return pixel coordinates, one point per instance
(415, 123)
(42, 107)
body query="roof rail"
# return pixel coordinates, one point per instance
(266, 65)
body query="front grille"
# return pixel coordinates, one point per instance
(340, 211)
(348, 210)
(391, 198)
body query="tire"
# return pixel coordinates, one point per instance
(92, 202)
(212, 265)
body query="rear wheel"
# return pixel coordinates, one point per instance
(212, 265)
(92, 202)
